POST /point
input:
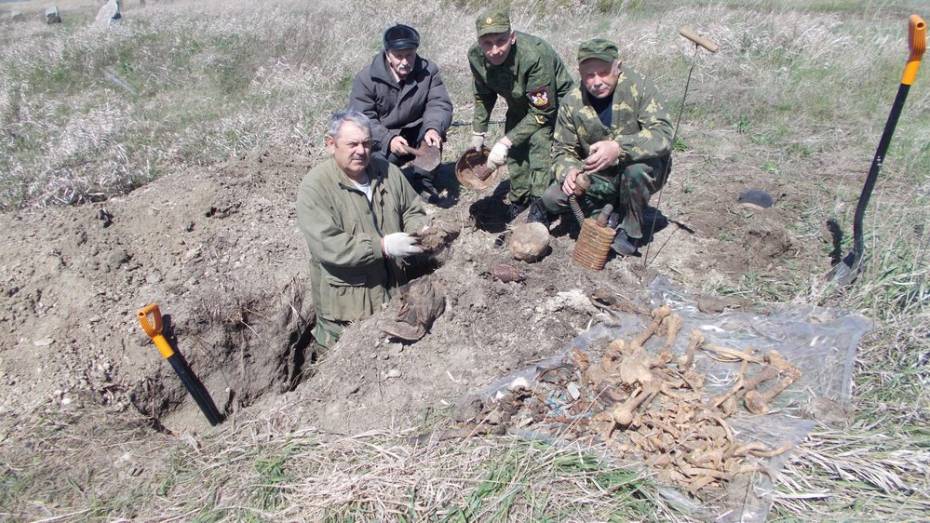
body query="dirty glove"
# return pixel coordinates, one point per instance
(399, 245)
(477, 141)
(498, 155)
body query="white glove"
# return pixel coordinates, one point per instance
(477, 141)
(498, 155)
(399, 245)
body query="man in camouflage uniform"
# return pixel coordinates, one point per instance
(530, 76)
(614, 127)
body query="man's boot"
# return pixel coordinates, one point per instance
(623, 244)
(538, 213)
(425, 188)
(514, 209)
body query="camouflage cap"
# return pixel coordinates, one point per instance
(493, 21)
(598, 48)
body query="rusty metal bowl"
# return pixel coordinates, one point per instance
(469, 166)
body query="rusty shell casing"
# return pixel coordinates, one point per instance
(593, 245)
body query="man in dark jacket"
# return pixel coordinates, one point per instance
(403, 95)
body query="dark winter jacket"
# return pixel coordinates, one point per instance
(422, 100)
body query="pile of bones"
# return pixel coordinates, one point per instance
(652, 409)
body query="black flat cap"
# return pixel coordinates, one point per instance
(401, 36)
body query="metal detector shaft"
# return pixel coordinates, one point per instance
(194, 387)
(917, 34)
(699, 41)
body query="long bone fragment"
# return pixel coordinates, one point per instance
(658, 315)
(694, 342)
(728, 354)
(623, 413)
(673, 325)
(758, 402)
(767, 373)
(737, 385)
(759, 450)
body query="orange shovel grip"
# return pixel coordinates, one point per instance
(917, 43)
(153, 328)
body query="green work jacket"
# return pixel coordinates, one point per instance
(351, 278)
(639, 123)
(532, 80)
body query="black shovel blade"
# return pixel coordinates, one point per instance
(846, 271)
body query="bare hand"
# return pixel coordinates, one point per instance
(605, 153)
(432, 138)
(568, 185)
(399, 146)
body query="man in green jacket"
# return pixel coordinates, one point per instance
(615, 128)
(526, 72)
(357, 213)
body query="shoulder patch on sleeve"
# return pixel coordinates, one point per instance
(540, 97)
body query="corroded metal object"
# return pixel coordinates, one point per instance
(471, 171)
(593, 245)
(507, 273)
(426, 157)
(582, 184)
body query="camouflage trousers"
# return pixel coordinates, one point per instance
(528, 166)
(629, 193)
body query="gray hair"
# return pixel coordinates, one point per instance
(349, 115)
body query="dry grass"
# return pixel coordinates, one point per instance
(805, 85)
(275, 467)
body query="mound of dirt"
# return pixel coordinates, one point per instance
(216, 249)
(219, 250)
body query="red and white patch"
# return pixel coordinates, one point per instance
(539, 97)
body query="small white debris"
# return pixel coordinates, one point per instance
(573, 390)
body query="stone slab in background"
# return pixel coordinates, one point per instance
(109, 13)
(52, 16)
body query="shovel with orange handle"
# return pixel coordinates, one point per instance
(848, 269)
(196, 389)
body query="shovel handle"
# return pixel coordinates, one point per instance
(706, 43)
(153, 328)
(917, 43)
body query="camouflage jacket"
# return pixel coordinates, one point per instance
(350, 276)
(531, 80)
(639, 123)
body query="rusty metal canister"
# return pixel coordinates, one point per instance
(593, 245)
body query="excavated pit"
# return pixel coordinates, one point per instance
(260, 347)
